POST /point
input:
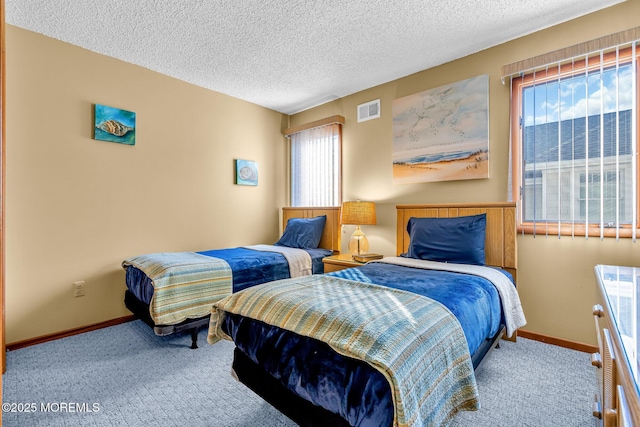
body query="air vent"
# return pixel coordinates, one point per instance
(369, 110)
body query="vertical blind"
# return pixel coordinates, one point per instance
(316, 165)
(577, 130)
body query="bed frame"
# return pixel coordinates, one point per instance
(500, 251)
(330, 240)
(330, 235)
(500, 244)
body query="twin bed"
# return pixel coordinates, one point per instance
(174, 292)
(362, 346)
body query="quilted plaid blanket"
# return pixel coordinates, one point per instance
(186, 284)
(414, 341)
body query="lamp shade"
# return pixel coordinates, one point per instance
(358, 213)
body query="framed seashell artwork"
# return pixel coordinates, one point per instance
(246, 172)
(114, 125)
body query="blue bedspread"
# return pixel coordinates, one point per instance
(249, 268)
(350, 388)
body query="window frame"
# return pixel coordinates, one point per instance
(556, 73)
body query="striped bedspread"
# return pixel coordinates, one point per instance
(186, 284)
(414, 341)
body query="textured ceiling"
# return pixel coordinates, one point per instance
(290, 55)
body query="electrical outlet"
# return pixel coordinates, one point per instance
(78, 289)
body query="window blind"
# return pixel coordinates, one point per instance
(577, 124)
(316, 164)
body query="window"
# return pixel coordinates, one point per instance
(574, 140)
(316, 163)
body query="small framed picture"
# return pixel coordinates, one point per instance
(246, 172)
(114, 125)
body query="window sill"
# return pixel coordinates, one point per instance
(552, 229)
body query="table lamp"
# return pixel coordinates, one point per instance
(358, 213)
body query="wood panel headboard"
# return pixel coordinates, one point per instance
(331, 233)
(500, 245)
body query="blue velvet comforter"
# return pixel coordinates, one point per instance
(353, 389)
(249, 268)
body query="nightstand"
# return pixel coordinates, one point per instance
(339, 262)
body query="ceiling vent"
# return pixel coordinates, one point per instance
(369, 110)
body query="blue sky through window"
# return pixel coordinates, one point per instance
(567, 99)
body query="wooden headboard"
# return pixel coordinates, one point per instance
(331, 234)
(500, 245)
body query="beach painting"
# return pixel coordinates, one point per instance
(114, 125)
(442, 134)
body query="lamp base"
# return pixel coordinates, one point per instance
(358, 244)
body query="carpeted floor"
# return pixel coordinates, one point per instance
(529, 383)
(127, 376)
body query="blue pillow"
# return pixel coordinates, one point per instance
(303, 233)
(458, 240)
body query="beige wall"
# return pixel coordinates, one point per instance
(556, 279)
(76, 207)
